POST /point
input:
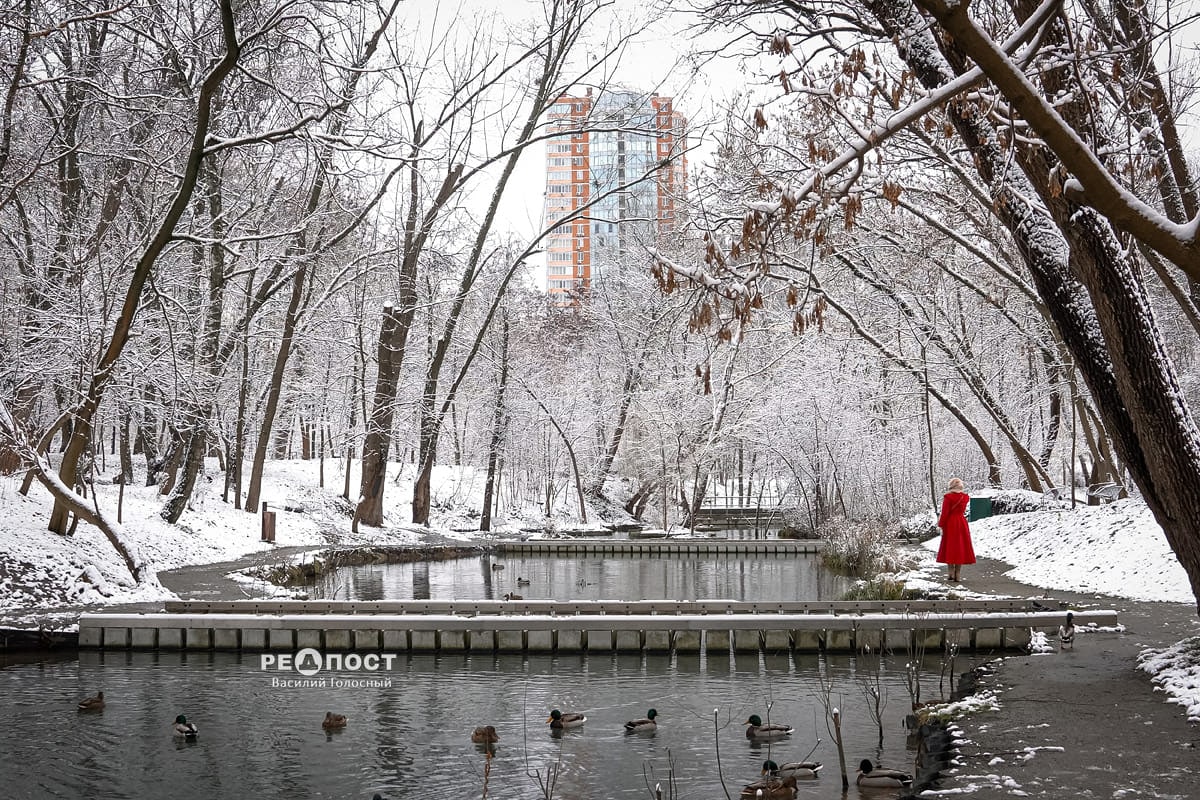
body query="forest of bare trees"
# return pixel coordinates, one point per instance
(938, 239)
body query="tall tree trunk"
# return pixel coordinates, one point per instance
(239, 444)
(350, 430)
(628, 389)
(275, 388)
(85, 411)
(393, 340)
(498, 426)
(198, 410)
(393, 337)
(125, 449)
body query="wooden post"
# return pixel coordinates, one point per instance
(268, 524)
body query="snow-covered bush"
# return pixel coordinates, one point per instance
(864, 547)
(919, 527)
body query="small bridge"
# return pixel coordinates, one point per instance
(673, 547)
(685, 627)
(735, 511)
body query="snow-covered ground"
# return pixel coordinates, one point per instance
(41, 571)
(1115, 549)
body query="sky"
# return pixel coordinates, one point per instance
(654, 58)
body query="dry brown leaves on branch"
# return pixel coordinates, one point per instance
(892, 191)
(854, 205)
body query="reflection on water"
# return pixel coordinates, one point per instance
(589, 578)
(412, 738)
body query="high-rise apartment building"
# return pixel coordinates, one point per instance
(614, 150)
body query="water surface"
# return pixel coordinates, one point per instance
(411, 740)
(735, 577)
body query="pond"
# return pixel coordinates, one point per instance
(589, 578)
(410, 738)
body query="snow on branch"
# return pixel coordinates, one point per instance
(730, 289)
(1091, 184)
(906, 117)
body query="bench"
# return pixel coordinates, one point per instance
(1105, 492)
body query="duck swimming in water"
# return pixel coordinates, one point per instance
(333, 722)
(559, 720)
(802, 770)
(184, 729)
(771, 789)
(881, 777)
(646, 723)
(485, 734)
(772, 730)
(95, 703)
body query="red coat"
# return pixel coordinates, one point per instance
(955, 547)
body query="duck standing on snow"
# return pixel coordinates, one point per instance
(184, 729)
(95, 703)
(801, 770)
(870, 776)
(333, 722)
(772, 730)
(646, 723)
(559, 720)
(1066, 633)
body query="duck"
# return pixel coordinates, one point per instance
(771, 788)
(559, 719)
(772, 730)
(1066, 633)
(523, 581)
(184, 729)
(646, 723)
(333, 722)
(513, 596)
(881, 777)
(485, 734)
(95, 703)
(497, 566)
(801, 770)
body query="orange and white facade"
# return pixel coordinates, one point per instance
(624, 153)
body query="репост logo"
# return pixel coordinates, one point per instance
(310, 662)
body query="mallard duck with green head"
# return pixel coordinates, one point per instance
(560, 720)
(485, 734)
(646, 723)
(94, 703)
(772, 730)
(871, 776)
(184, 729)
(800, 770)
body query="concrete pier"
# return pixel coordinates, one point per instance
(598, 626)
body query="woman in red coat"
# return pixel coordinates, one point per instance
(955, 548)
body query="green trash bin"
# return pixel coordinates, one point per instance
(980, 507)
